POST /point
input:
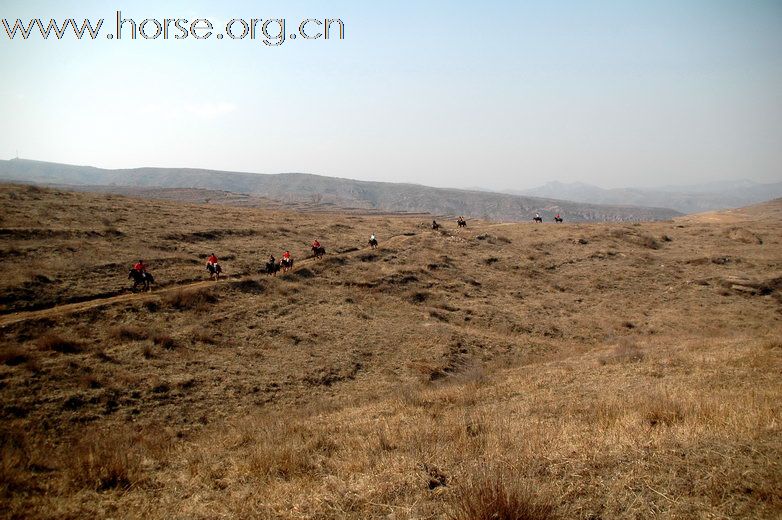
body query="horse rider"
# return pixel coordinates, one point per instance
(315, 244)
(537, 215)
(286, 256)
(372, 238)
(272, 260)
(558, 217)
(212, 260)
(140, 267)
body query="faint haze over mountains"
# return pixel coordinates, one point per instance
(330, 192)
(692, 198)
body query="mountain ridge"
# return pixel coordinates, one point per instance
(298, 187)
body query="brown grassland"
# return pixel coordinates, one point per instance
(506, 371)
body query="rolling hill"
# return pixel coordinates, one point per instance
(581, 370)
(299, 187)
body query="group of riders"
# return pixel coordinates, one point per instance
(538, 219)
(140, 276)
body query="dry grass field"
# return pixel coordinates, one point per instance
(502, 371)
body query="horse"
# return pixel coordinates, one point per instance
(537, 219)
(461, 222)
(144, 279)
(373, 243)
(286, 265)
(435, 225)
(558, 220)
(214, 271)
(318, 252)
(272, 268)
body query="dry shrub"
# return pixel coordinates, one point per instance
(147, 351)
(743, 235)
(17, 460)
(633, 237)
(649, 242)
(128, 333)
(626, 351)
(204, 336)
(184, 299)
(249, 286)
(418, 297)
(296, 457)
(101, 461)
(13, 356)
(56, 343)
(165, 341)
(493, 493)
(662, 410)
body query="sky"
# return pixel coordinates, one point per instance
(492, 94)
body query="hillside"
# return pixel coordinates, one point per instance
(611, 370)
(686, 199)
(297, 188)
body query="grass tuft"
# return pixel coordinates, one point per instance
(198, 300)
(493, 494)
(56, 343)
(128, 333)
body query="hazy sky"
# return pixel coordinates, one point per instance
(498, 94)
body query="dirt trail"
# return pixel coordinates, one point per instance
(68, 308)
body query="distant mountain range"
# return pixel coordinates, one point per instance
(345, 193)
(694, 198)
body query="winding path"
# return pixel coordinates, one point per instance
(69, 308)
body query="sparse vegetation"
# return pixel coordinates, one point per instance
(602, 379)
(58, 343)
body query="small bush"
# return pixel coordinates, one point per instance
(302, 273)
(249, 286)
(204, 336)
(151, 305)
(649, 242)
(418, 297)
(191, 299)
(128, 333)
(13, 357)
(102, 462)
(165, 341)
(494, 495)
(57, 343)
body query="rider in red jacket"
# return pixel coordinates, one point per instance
(140, 267)
(315, 244)
(212, 259)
